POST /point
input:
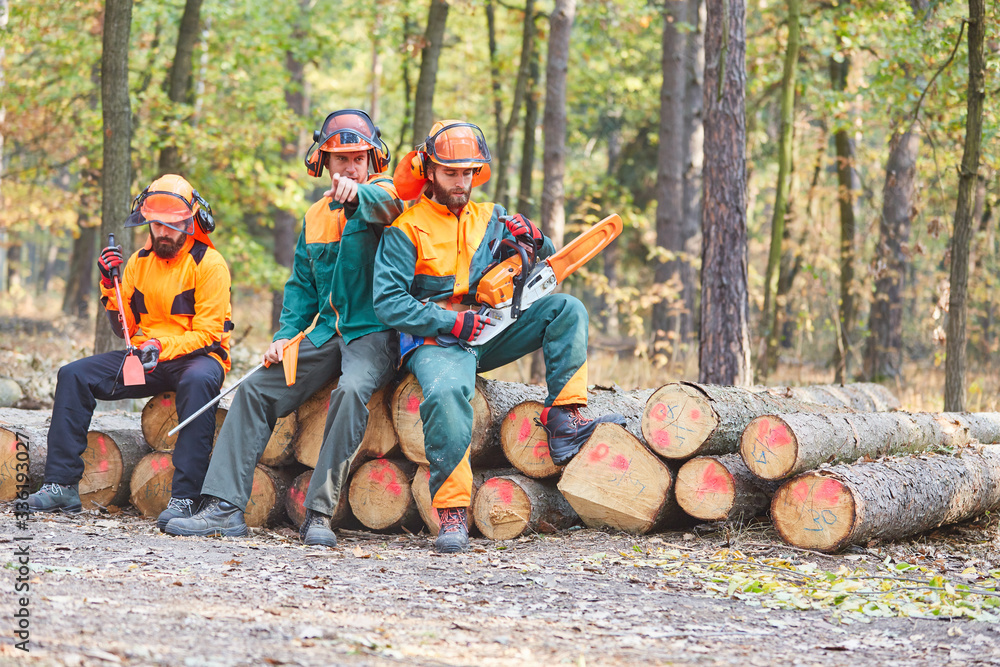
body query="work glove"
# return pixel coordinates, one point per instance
(109, 261)
(469, 324)
(520, 226)
(149, 354)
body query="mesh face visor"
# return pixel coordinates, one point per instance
(459, 145)
(166, 208)
(347, 131)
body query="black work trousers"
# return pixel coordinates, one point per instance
(196, 379)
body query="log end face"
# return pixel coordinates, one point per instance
(525, 443)
(768, 447)
(705, 489)
(151, 483)
(159, 417)
(102, 470)
(502, 509)
(405, 410)
(677, 420)
(380, 495)
(262, 499)
(295, 498)
(814, 511)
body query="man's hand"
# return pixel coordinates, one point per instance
(149, 354)
(109, 261)
(469, 325)
(276, 352)
(520, 226)
(342, 189)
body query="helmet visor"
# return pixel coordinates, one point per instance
(347, 131)
(460, 145)
(166, 208)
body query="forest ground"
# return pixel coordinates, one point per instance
(110, 589)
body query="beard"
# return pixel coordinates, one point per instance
(166, 248)
(455, 198)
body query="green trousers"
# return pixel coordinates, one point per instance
(557, 323)
(362, 366)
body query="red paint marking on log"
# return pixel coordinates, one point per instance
(712, 481)
(511, 416)
(525, 430)
(828, 491)
(695, 414)
(659, 412)
(394, 488)
(506, 492)
(413, 404)
(103, 467)
(166, 402)
(428, 475)
(599, 452)
(104, 447)
(619, 462)
(662, 439)
(763, 428)
(800, 491)
(778, 437)
(541, 450)
(326, 405)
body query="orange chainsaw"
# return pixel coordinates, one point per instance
(513, 285)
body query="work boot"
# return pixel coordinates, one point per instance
(218, 518)
(453, 535)
(315, 530)
(568, 430)
(56, 498)
(177, 508)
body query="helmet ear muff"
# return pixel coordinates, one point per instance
(204, 215)
(379, 156)
(315, 159)
(418, 165)
(137, 202)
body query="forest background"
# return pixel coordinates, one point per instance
(855, 121)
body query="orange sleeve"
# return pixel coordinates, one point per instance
(110, 300)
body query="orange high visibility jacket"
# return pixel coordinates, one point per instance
(183, 302)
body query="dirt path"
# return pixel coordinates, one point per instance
(113, 590)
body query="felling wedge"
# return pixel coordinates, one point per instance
(504, 291)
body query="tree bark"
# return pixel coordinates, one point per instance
(178, 83)
(615, 481)
(694, 159)
(683, 419)
(670, 174)
(554, 121)
(525, 200)
(506, 133)
(779, 446)
(845, 196)
(722, 488)
(958, 307)
(380, 495)
(830, 509)
(509, 506)
(79, 283)
(116, 173)
(724, 350)
(423, 106)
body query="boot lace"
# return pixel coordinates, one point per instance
(451, 520)
(180, 504)
(53, 488)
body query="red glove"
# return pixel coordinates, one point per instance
(518, 225)
(469, 324)
(111, 258)
(149, 354)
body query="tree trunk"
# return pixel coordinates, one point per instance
(116, 174)
(491, 32)
(295, 499)
(525, 443)
(722, 488)
(779, 446)
(509, 506)
(525, 200)
(694, 159)
(958, 307)
(376, 63)
(845, 196)
(266, 506)
(615, 481)
(380, 495)
(683, 419)
(79, 281)
(151, 483)
(769, 317)
(852, 504)
(423, 106)
(724, 349)
(178, 83)
(380, 438)
(506, 133)
(312, 421)
(670, 174)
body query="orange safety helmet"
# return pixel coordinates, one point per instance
(171, 201)
(347, 131)
(451, 143)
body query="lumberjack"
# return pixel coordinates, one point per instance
(332, 278)
(173, 302)
(427, 271)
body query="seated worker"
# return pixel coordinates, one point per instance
(426, 273)
(175, 291)
(331, 277)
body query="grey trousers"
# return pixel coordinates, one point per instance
(363, 366)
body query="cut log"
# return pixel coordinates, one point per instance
(860, 396)
(421, 488)
(722, 488)
(888, 499)
(380, 437)
(280, 450)
(266, 506)
(114, 447)
(22, 441)
(616, 481)
(683, 419)
(779, 446)
(509, 506)
(312, 420)
(525, 444)
(159, 417)
(380, 495)
(295, 499)
(151, 483)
